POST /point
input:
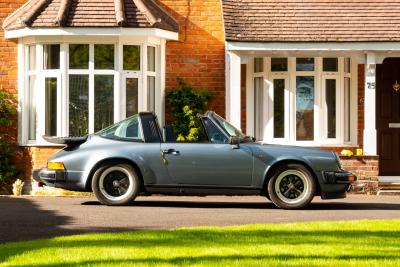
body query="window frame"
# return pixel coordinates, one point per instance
(64, 71)
(320, 116)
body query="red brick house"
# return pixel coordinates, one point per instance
(313, 73)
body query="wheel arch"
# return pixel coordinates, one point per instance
(279, 163)
(117, 160)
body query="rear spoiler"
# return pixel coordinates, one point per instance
(68, 141)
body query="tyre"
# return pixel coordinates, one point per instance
(115, 184)
(291, 186)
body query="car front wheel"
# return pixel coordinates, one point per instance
(291, 186)
(115, 184)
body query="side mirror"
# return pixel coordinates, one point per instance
(235, 142)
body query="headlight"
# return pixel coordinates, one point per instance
(337, 159)
(55, 166)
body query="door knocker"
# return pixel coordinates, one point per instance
(396, 86)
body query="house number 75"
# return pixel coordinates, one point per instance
(371, 85)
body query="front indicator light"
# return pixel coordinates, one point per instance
(352, 178)
(55, 166)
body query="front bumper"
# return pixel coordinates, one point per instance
(339, 177)
(49, 177)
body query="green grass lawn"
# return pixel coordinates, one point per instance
(353, 243)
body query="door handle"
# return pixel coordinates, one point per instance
(169, 151)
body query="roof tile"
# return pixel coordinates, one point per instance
(311, 20)
(90, 13)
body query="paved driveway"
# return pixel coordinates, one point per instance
(39, 217)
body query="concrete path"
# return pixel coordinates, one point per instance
(26, 218)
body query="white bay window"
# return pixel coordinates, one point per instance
(77, 87)
(303, 100)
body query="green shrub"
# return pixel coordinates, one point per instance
(186, 103)
(8, 169)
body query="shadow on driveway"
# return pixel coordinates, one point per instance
(255, 205)
(22, 219)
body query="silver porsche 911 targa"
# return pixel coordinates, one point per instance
(135, 157)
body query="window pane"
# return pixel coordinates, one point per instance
(258, 64)
(330, 101)
(305, 64)
(32, 57)
(78, 56)
(104, 56)
(347, 109)
(330, 64)
(347, 65)
(131, 57)
(128, 128)
(279, 108)
(51, 106)
(103, 101)
(258, 108)
(151, 93)
(279, 64)
(131, 96)
(151, 58)
(51, 57)
(78, 105)
(304, 108)
(32, 108)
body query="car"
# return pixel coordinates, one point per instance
(134, 156)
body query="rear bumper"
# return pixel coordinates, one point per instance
(49, 177)
(60, 179)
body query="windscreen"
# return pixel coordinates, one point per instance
(229, 128)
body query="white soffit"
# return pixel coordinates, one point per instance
(101, 31)
(309, 46)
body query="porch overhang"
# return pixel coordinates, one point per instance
(381, 50)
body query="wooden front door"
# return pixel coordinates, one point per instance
(388, 116)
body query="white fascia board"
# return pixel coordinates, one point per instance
(304, 46)
(95, 31)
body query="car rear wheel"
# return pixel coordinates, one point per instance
(291, 186)
(115, 184)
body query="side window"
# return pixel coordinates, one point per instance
(126, 129)
(213, 133)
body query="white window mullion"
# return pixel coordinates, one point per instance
(41, 115)
(317, 99)
(91, 88)
(117, 87)
(60, 105)
(23, 85)
(143, 99)
(120, 78)
(64, 94)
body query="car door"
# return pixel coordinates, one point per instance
(209, 163)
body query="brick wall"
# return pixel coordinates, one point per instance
(199, 55)
(366, 170)
(9, 83)
(9, 60)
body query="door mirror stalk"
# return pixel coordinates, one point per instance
(235, 142)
